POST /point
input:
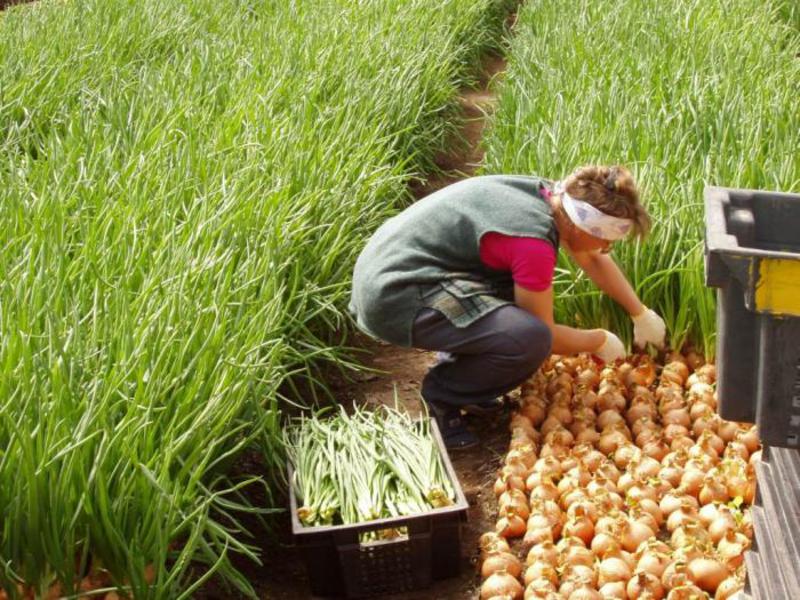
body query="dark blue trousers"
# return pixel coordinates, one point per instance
(491, 356)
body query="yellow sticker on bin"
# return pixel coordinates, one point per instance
(778, 287)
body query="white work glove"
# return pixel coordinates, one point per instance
(649, 328)
(612, 348)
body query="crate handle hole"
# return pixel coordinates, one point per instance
(391, 534)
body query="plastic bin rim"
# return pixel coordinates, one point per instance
(717, 236)
(460, 505)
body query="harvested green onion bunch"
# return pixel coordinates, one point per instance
(365, 466)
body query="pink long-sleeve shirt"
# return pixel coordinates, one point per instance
(531, 261)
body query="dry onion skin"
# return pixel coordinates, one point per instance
(503, 584)
(621, 482)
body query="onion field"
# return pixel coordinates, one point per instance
(686, 94)
(183, 190)
(185, 187)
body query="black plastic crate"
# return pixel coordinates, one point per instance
(339, 565)
(753, 257)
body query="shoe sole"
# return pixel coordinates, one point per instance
(477, 411)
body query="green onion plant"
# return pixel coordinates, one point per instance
(184, 187)
(686, 94)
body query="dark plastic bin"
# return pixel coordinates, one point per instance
(339, 565)
(753, 257)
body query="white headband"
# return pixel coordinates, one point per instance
(593, 221)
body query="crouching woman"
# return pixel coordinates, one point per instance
(468, 271)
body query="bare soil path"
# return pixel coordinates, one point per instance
(6, 3)
(283, 576)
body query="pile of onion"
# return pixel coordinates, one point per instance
(621, 482)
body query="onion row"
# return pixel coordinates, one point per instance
(621, 482)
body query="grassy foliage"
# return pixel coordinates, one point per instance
(183, 190)
(686, 94)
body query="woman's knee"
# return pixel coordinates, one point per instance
(540, 341)
(533, 340)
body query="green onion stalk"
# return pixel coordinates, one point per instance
(366, 465)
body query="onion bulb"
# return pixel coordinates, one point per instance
(694, 359)
(646, 586)
(522, 422)
(645, 518)
(610, 398)
(609, 417)
(731, 549)
(677, 416)
(506, 482)
(613, 569)
(540, 589)
(686, 591)
(578, 555)
(540, 569)
(634, 533)
(672, 475)
(750, 439)
(713, 490)
(511, 525)
(580, 574)
(585, 592)
(581, 527)
(653, 562)
(724, 523)
(501, 584)
(544, 552)
(738, 449)
(546, 490)
(676, 500)
(534, 411)
(610, 440)
(525, 454)
(602, 542)
(728, 588)
(708, 513)
(692, 480)
(515, 501)
(676, 574)
(496, 543)
(536, 536)
(707, 573)
(501, 561)
(615, 590)
(727, 430)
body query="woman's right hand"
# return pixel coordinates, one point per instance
(611, 349)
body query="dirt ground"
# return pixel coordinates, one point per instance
(283, 575)
(7, 3)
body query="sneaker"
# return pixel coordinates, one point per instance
(486, 409)
(452, 426)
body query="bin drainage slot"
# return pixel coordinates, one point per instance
(796, 401)
(395, 534)
(792, 440)
(794, 421)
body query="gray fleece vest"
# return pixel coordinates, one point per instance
(429, 255)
